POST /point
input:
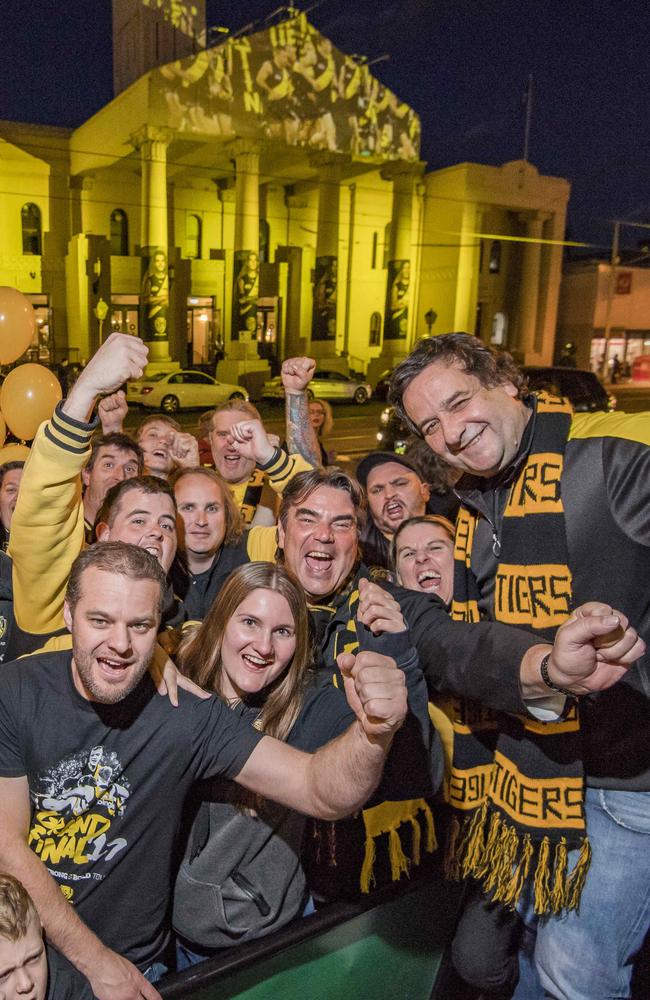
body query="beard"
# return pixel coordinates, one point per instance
(102, 691)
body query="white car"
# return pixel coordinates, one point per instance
(324, 385)
(181, 390)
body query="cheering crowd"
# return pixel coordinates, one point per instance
(239, 682)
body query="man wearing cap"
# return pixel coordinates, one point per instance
(396, 492)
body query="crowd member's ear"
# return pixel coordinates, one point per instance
(67, 616)
(280, 535)
(425, 490)
(85, 477)
(102, 532)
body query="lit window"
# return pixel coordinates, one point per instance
(119, 233)
(30, 217)
(193, 230)
(375, 330)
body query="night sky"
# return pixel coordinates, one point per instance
(462, 64)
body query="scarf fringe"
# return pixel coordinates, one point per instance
(413, 812)
(492, 851)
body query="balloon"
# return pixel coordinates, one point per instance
(27, 398)
(17, 324)
(3, 430)
(14, 453)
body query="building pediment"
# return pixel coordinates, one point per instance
(287, 84)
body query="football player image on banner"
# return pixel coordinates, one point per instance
(324, 314)
(244, 298)
(286, 83)
(397, 299)
(154, 294)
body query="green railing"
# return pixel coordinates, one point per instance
(390, 948)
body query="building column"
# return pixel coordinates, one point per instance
(398, 279)
(529, 285)
(323, 326)
(468, 272)
(243, 325)
(550, 280)
(154, 288)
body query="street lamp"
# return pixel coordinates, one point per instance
(100, 311)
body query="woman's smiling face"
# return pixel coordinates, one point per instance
(258, 644)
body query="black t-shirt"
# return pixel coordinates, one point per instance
(64, 982)
(107, 786)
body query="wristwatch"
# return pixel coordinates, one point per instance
(543, 669)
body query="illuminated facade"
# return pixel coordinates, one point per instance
(264, 197)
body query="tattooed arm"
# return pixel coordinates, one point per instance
(301, 436)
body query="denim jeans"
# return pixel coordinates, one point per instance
(588, 954)
(155, 971)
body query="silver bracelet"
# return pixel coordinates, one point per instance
(543, 669)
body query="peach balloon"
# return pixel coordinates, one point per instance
(17, 324)
(14, 453)
(27, 398)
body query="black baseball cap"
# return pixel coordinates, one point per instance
(375, 458)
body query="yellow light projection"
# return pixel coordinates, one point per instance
(287, 83)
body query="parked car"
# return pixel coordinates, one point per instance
(583, 389)
(383, 383)
(324, 385)
(181, 390)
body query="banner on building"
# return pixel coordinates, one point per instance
(244, 297)
(397, 299)
(323, 325)
(287, 83)
(154, 294)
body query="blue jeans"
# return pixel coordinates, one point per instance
(588, 954)
(155, 971)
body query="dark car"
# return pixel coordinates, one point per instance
(383, 383)
(583, 389)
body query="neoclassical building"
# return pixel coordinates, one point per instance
(264, 196)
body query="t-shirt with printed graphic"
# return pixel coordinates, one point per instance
(107, 785)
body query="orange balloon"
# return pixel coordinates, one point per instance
(13, 453)
(17, 324)
(27, 398)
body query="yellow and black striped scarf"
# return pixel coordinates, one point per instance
(383, 818)
(252, 496)
(516, 784)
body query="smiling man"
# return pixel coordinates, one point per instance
(249, 471)
(321, 515)
(113, 457)
(555, 512)
(91, 799)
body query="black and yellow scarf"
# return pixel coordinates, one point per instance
(516, 784)
(252, 496)
(337, 627)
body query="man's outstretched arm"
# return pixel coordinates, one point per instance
(339, 778)
(301, 437)
(48, 526)
(110, 976)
